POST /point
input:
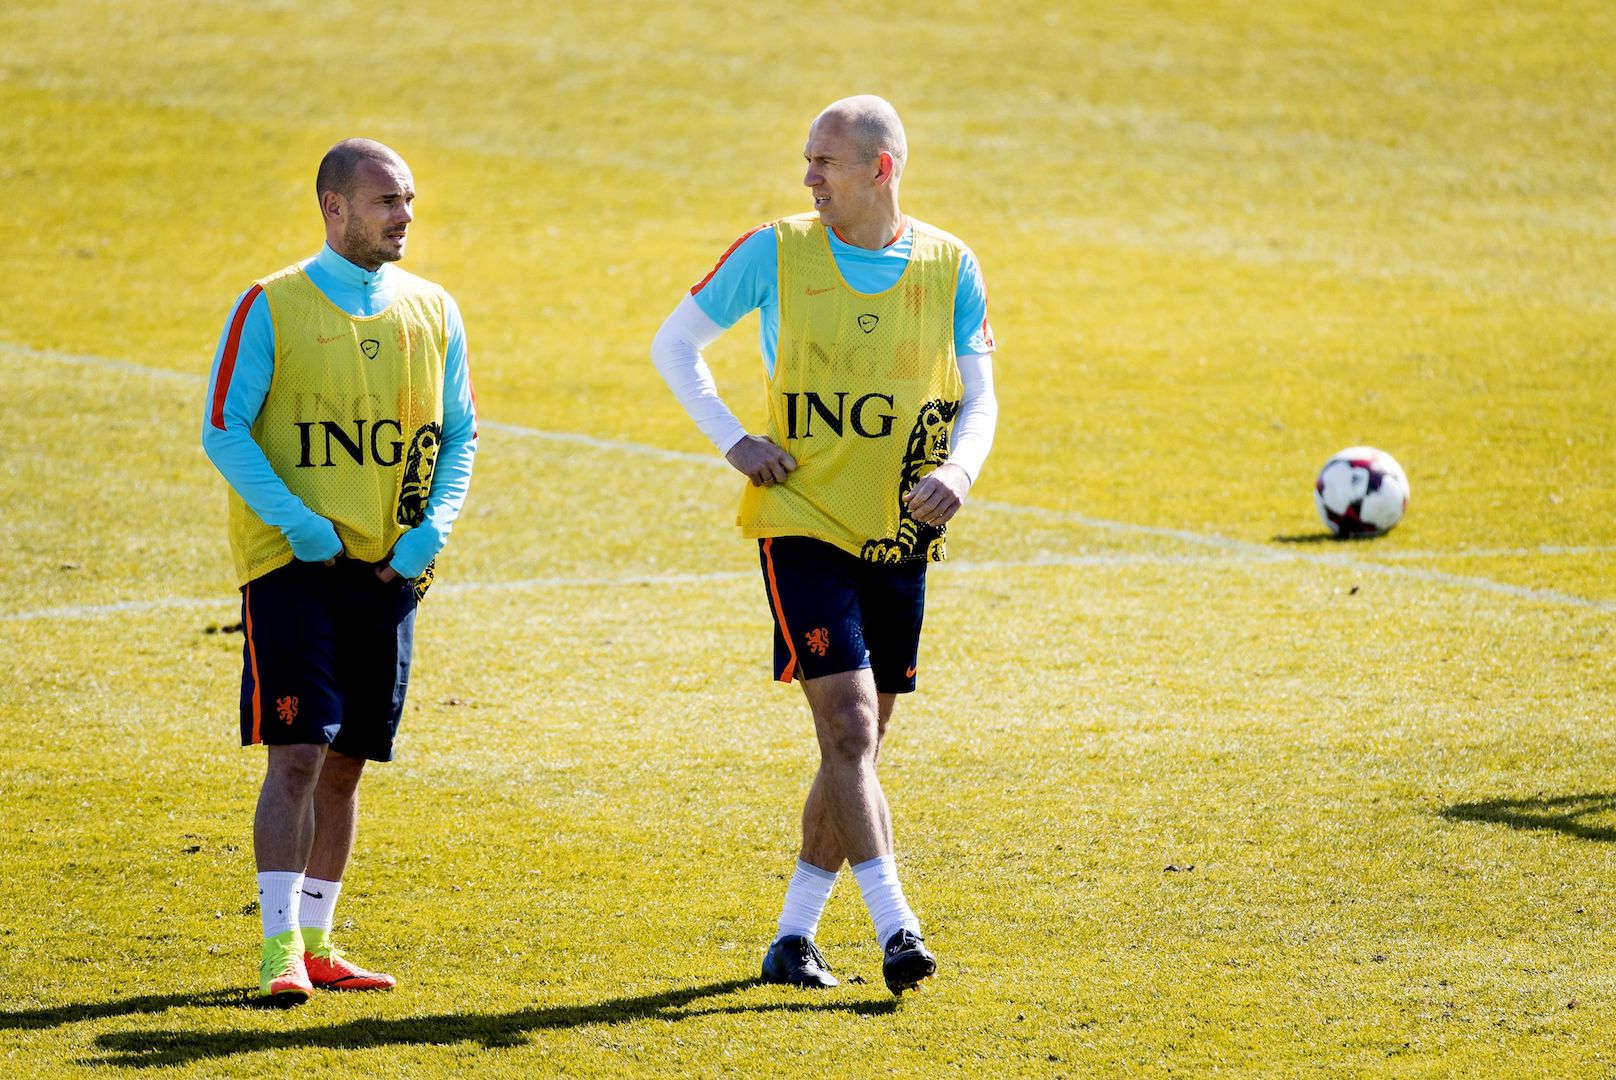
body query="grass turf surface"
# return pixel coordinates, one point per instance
(1185, 788)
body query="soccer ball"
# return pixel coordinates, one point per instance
(1361, 492)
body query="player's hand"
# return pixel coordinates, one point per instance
(760, 460)
(939, 496)
(386, 573)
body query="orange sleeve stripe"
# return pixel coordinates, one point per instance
(779, 612)
(227, 361)
(252, 660)
(702, 284)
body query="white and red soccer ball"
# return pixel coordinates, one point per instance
(1361, 492)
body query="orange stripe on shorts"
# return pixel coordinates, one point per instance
(252, 659)
(779, 612)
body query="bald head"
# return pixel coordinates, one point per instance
(341, 164)
(873, 125)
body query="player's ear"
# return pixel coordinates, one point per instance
(884, 165)
(331, 204)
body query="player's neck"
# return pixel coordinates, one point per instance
(875, 233)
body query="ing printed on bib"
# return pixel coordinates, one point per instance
(864, 393)
(353, 419)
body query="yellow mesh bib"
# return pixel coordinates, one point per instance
(864, 394)
(352, 420)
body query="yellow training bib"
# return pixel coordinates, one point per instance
(352, 420)
(864, 394)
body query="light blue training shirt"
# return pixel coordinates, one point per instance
(747, 277)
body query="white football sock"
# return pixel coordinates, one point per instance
(806, 898)
(278, 894)
(878, 883)
(319, 902)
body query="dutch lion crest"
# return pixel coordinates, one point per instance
(927, 449)
(419, 465)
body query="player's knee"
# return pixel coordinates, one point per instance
(294, 768)
(341, 771)
(852, 736)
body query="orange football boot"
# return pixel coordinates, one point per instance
(330, 970)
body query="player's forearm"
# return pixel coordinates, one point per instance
(978, 415)
(243, 367)
(450, 482)
(451, 478)
(676, 352)
(242, 464)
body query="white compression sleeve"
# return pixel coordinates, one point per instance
(676, 352)
(979, 412)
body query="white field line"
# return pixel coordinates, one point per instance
(673, 579)
(708, 577)
(1499, 553)
(123, 607)
(1319, 558)
(106, 363)
(1221, 543)
(618, 446)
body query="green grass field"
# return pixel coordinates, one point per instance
(1186, 788)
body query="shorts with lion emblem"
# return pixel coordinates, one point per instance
(835, 612)
(327, 657)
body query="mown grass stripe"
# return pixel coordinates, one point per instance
(1069, 517)
(560, 581)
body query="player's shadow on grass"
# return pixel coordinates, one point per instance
(141, 1049)
(1561, 813)
(59, 1015)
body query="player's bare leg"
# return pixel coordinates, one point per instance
(821, 846)
(849, 719)
(793, 958)
(847, 723)
(336, 820)
(283, 830)
(336, 815)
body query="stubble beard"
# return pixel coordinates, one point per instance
(364, 251)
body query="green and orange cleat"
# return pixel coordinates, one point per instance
(282, 978)
(329, 970)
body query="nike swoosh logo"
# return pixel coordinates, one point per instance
(821, 292)
(329, 340)
(321, 895)
(911, 672)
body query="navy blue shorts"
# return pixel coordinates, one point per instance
(835, 612)
(327, 658)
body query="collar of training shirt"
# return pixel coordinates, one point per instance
(896, 250)
(352, 288)
(347, 273)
